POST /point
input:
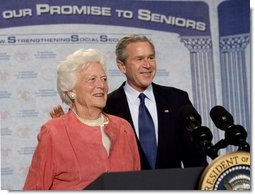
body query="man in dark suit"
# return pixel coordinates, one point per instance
(135, 57)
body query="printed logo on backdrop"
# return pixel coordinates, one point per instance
(21, 56)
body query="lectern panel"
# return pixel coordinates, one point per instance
(160, 179)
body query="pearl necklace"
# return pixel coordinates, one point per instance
(100, 121)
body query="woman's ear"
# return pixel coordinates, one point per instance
(121, 66)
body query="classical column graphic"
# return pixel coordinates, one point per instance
(202, 73)
(234, 78)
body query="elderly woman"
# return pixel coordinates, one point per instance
(76, 148)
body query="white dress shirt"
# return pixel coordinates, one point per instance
(134, 102)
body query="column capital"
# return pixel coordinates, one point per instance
(235, 42)
(197, 43)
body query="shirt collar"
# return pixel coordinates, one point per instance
(133, 94)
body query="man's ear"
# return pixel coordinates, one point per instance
(121, 66)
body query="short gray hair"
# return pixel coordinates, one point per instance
(121, 46)
(67, 69)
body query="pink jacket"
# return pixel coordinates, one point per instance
(70, 155)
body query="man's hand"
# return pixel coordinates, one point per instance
(57, 112)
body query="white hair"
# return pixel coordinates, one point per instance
(67, 69)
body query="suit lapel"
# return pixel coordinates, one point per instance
(124, 111)
(164, 118)
(163, 105)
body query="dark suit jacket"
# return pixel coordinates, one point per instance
(174, 145)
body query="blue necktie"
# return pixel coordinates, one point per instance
(147, 135)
